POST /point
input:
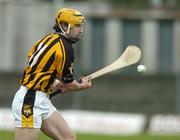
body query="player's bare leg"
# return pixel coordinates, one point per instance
(56, 127)
(27, 133)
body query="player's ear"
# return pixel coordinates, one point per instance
(64, 26)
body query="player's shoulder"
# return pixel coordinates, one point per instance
(47, 37)
(54, 36)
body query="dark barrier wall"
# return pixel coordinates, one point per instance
(122, 93)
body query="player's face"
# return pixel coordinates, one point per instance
(76, 32)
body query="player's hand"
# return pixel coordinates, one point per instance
(85, 82)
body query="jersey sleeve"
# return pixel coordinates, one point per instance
(67, 75)
(65, 60)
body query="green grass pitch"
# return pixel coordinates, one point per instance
(9, 135)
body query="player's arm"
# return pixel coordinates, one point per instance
(74, 85)
(70, 84)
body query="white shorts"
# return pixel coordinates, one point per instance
(31, 107)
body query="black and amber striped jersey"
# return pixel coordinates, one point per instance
(50, 58)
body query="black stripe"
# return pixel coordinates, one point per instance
(22, 79)
(51, 79)
(30, 79)
(37, 81)
(49, 62)
(46, 68)
(39, 49)
(39, 60)
(62, 54)
(28, 103)
(43, 54)
(39, 43)
(37, 46)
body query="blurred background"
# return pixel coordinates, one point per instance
(153, 25)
